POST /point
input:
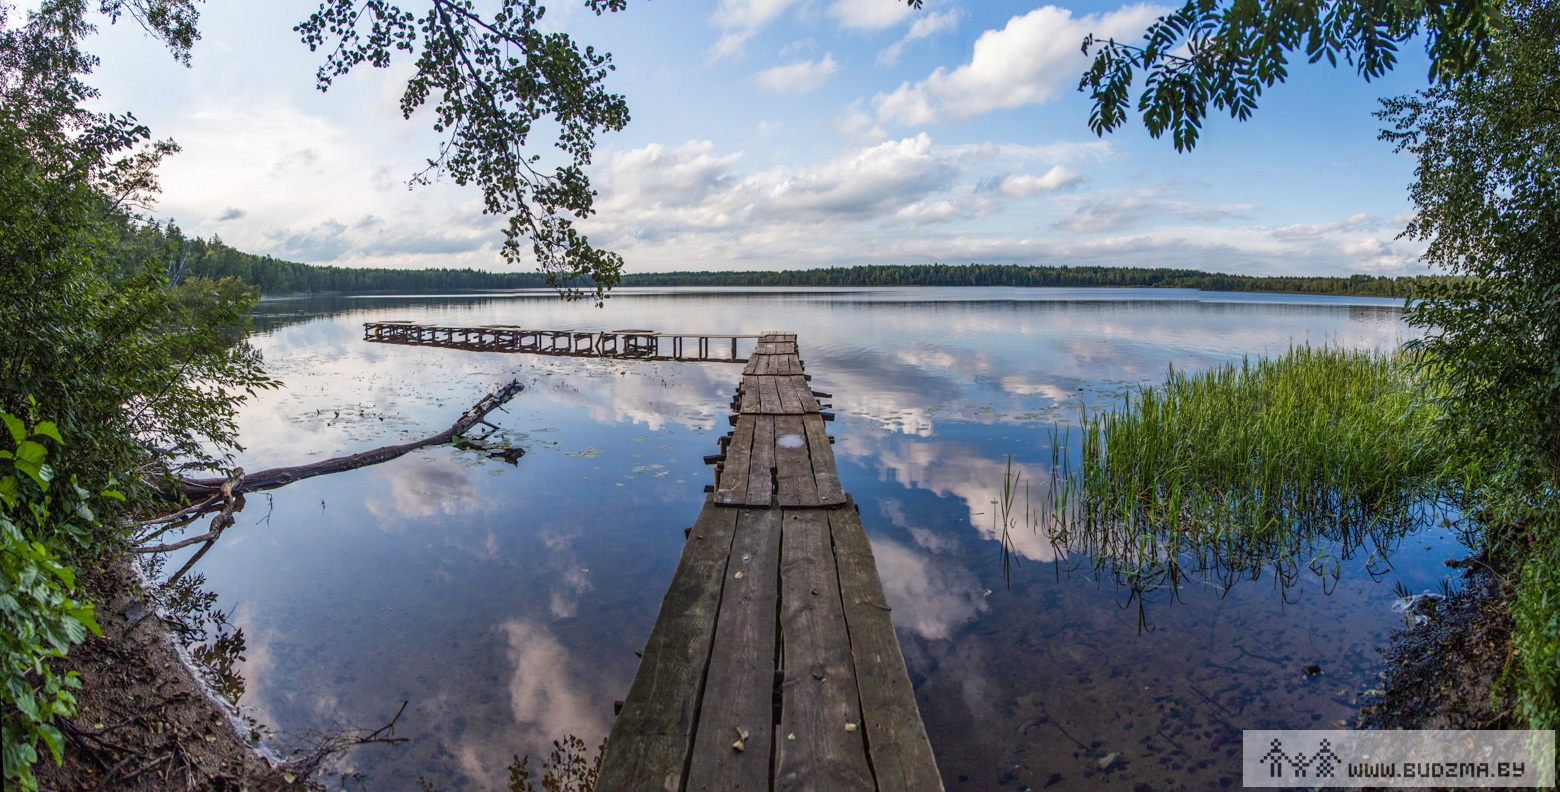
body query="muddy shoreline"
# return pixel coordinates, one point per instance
(143, 721)
(1444, 671)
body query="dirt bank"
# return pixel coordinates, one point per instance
(1442, 672)
(143, 722)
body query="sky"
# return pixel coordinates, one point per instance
(777, 134)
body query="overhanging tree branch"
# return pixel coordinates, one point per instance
(491, 78)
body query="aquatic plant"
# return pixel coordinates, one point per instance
(1294, 462)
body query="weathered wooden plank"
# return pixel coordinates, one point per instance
(902, 757)
(739, 688)
(785, 389)
(732, 488)
(795, 484)
(819, 744)
(791, 395)
(825, 474)
(769, 395)
(776, 347)
(760, 488)
(652, 736)
(750, 398)
(809, 401)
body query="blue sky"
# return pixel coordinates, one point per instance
(773, 134)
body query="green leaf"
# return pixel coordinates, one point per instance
(84, 614)
(51, 737)
(29, 460)
(18, 430)
(48, 429)
(31, 453)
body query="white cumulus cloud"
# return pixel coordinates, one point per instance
(798, 78)
(923, 27)
(1031, 60)
(690, 186)
(740, 19)
(870, 14)
(1021, 184)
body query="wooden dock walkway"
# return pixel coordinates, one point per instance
(624, 344)
(773, 664)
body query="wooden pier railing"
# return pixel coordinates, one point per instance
(773, 664)
(625, 344)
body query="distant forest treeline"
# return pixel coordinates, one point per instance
(276, 277)
(203, 259)
(1015, 275)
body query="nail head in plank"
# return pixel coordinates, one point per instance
(652, 735)
(820, 702)
(901, 754)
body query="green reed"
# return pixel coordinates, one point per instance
(1284, 463)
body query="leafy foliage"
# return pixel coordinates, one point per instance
(128, 364)
(1225, 53)
(495, 77)
(116, 371)
(40, 518)
(89, 326)
(1487, 191)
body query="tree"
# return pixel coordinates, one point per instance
(496, 77)
(1487, 194)
(1226, 52)
(107, 371)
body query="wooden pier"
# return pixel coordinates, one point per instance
(623, 344)
(773, 664)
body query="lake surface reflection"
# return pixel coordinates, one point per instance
(505, 603)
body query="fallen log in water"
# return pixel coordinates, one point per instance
(195, 489)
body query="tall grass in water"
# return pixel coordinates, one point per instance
(1285, 463)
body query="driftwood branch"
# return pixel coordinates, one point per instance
(276, 477)
(185, 514)
(219, 523)
(226, 495)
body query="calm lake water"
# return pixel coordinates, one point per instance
(505, 603)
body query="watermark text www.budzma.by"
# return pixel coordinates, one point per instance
(1339, 758)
